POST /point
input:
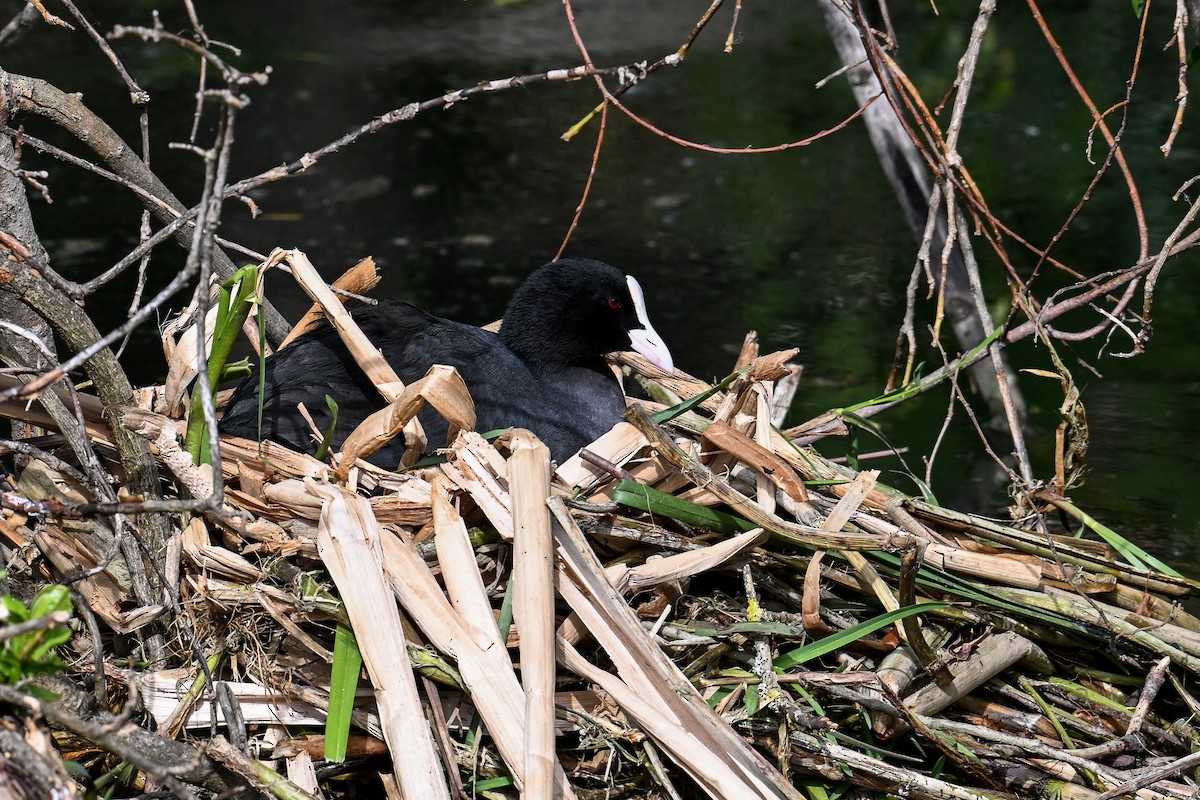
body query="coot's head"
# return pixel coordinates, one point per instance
(571, 312)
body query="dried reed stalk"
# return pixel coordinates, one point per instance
(349, 542)
(533, 605)
(442, 387)
(362, 278)
(463, 628)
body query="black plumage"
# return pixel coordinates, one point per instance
(544, 371)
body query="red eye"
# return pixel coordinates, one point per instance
(614, 302)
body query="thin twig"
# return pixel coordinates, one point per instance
(1097, 117)
(137, 95)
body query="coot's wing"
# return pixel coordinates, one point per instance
(480, 357)
(564, 414)
(567, 408)
(313, 366)
(318, 364)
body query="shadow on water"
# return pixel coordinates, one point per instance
(806, 246)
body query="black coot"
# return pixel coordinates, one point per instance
(544, 371)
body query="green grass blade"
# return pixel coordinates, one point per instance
(327, 438)
(1129, 551)
(236, 298)
(347, 664)
(917, 386)
(850, 635)
(643, 498)
(947, 583)
(668, 414)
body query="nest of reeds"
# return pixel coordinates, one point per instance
(694, 606)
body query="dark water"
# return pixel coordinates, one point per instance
(806, 246)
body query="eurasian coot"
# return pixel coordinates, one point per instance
(544, 371)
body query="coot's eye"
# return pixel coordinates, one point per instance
(614, 302)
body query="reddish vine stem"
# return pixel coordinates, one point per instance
(612, 98)
(1112, 154)
(1134, 196)
(587, 186)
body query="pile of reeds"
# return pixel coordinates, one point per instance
(694, 606)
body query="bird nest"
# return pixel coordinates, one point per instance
(694, 606)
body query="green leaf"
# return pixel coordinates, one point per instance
(752, 700)
(948, 583)
(720, 694)
(17, 611)
(1090, 695)
(236, 369)
(327, 439)
(51, 598)
(814, 790)
(1049, 713)
(643, 498)
(925, 489)
(58, 635)
(505, 619)
(40, 644)
(491, 784)
(850, 635)
(668, 414)
(916, 386)
(343, 684)
(1133, 554)
(33, 653)
(235, 299)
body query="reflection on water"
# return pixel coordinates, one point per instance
(806, 245)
